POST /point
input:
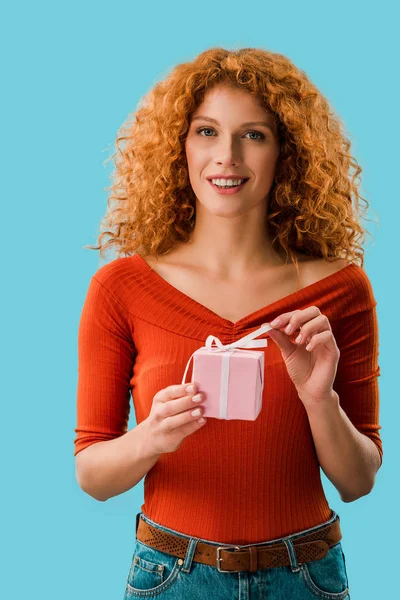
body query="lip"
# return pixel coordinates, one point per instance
(227, 191)
(222, 176)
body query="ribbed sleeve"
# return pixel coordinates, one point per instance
(105, 362)
(358, 370)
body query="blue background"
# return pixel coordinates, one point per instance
(72, 72)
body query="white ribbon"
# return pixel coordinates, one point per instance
(247, 341)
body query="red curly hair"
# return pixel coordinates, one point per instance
(314, 201)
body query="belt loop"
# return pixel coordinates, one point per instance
(294, 565)
(187, 563)
(137, 521)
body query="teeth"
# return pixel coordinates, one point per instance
(227, 182)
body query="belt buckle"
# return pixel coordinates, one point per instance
(219, 557)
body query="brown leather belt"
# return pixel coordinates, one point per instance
(309, 547)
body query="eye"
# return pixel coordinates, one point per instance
(257, 133)
(262, 136)
(204, 129)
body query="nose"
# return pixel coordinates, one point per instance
(227, 152)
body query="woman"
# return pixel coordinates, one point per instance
(235, 207)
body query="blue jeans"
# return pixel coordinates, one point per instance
(156, 573)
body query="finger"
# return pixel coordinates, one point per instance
(324, 338)
(305, 317)
(179, 405)
(282, 320)
(175, 391)
(283, 341)
(191, 427)
(296, 318)
(185, 418)
(316, 325)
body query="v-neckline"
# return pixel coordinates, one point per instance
(237, 324)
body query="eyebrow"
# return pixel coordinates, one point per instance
(249, 124)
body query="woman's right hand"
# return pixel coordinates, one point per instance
(170, 420)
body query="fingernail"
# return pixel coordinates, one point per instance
(191, 388)
(275, 322)
(288, 329)
(196, 398)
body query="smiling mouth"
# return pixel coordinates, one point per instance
(242, 179)
(231, 189)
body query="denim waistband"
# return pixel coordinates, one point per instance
(292, 536)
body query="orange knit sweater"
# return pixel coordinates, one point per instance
(232, 481)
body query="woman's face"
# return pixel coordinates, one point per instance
(220, 142)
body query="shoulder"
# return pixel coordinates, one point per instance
(314, 269)
(109, 275)
(117, 279)
(349, 276)
(324, 266)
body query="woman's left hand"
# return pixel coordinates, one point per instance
(312, 370)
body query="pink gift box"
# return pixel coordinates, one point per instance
(231, 379)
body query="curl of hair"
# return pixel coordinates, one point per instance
(314, 202)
